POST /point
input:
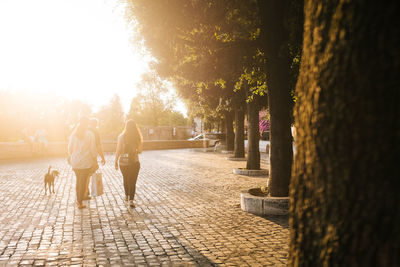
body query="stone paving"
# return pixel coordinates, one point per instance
(187, 214)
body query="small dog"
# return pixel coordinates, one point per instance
(49, 180)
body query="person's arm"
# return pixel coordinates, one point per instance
(99, 146)
(140, 147)
(118, 152)
(93, 148)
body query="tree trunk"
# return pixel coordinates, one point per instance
(281, 156)
(230, 136)
(275, 37)
(239, 132)
(345, 198)
(253, 135)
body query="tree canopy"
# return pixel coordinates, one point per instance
(203, 46)
(155, 102)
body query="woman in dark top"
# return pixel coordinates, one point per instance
(129, 145)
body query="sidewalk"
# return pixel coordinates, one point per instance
(187, 214)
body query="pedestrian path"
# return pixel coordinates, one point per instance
(187, 214)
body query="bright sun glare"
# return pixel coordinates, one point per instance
(72, 48)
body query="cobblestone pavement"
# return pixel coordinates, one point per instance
(187, 214)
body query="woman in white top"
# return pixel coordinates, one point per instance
(82, 155)
(126, 158)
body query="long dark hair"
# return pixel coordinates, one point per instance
(131, 136)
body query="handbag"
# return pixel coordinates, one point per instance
(97, 184)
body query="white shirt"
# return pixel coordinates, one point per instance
(83, 152)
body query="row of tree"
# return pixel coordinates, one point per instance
(216, 54)
(225, 55)
(23, 113)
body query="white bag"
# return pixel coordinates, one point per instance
(97, 184)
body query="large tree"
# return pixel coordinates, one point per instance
(275, 36)
(344, 208)
(253, 134)
(153, 104)
(204, 44)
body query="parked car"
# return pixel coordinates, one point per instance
(213, 138)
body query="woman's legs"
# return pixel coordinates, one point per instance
(125, 175)
(134, 171)
(130, 174)
(81, 177)
(92, 171)
(87, 191)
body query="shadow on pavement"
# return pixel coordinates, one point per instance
(282, 220)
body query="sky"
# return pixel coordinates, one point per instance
(79, 49)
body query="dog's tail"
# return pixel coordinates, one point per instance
(48, 172)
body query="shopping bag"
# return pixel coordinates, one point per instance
(97, 184)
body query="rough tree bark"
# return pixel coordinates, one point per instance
(230, 135)
(253, 135)
(275, 38)
(239, 132)
(345, 199)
